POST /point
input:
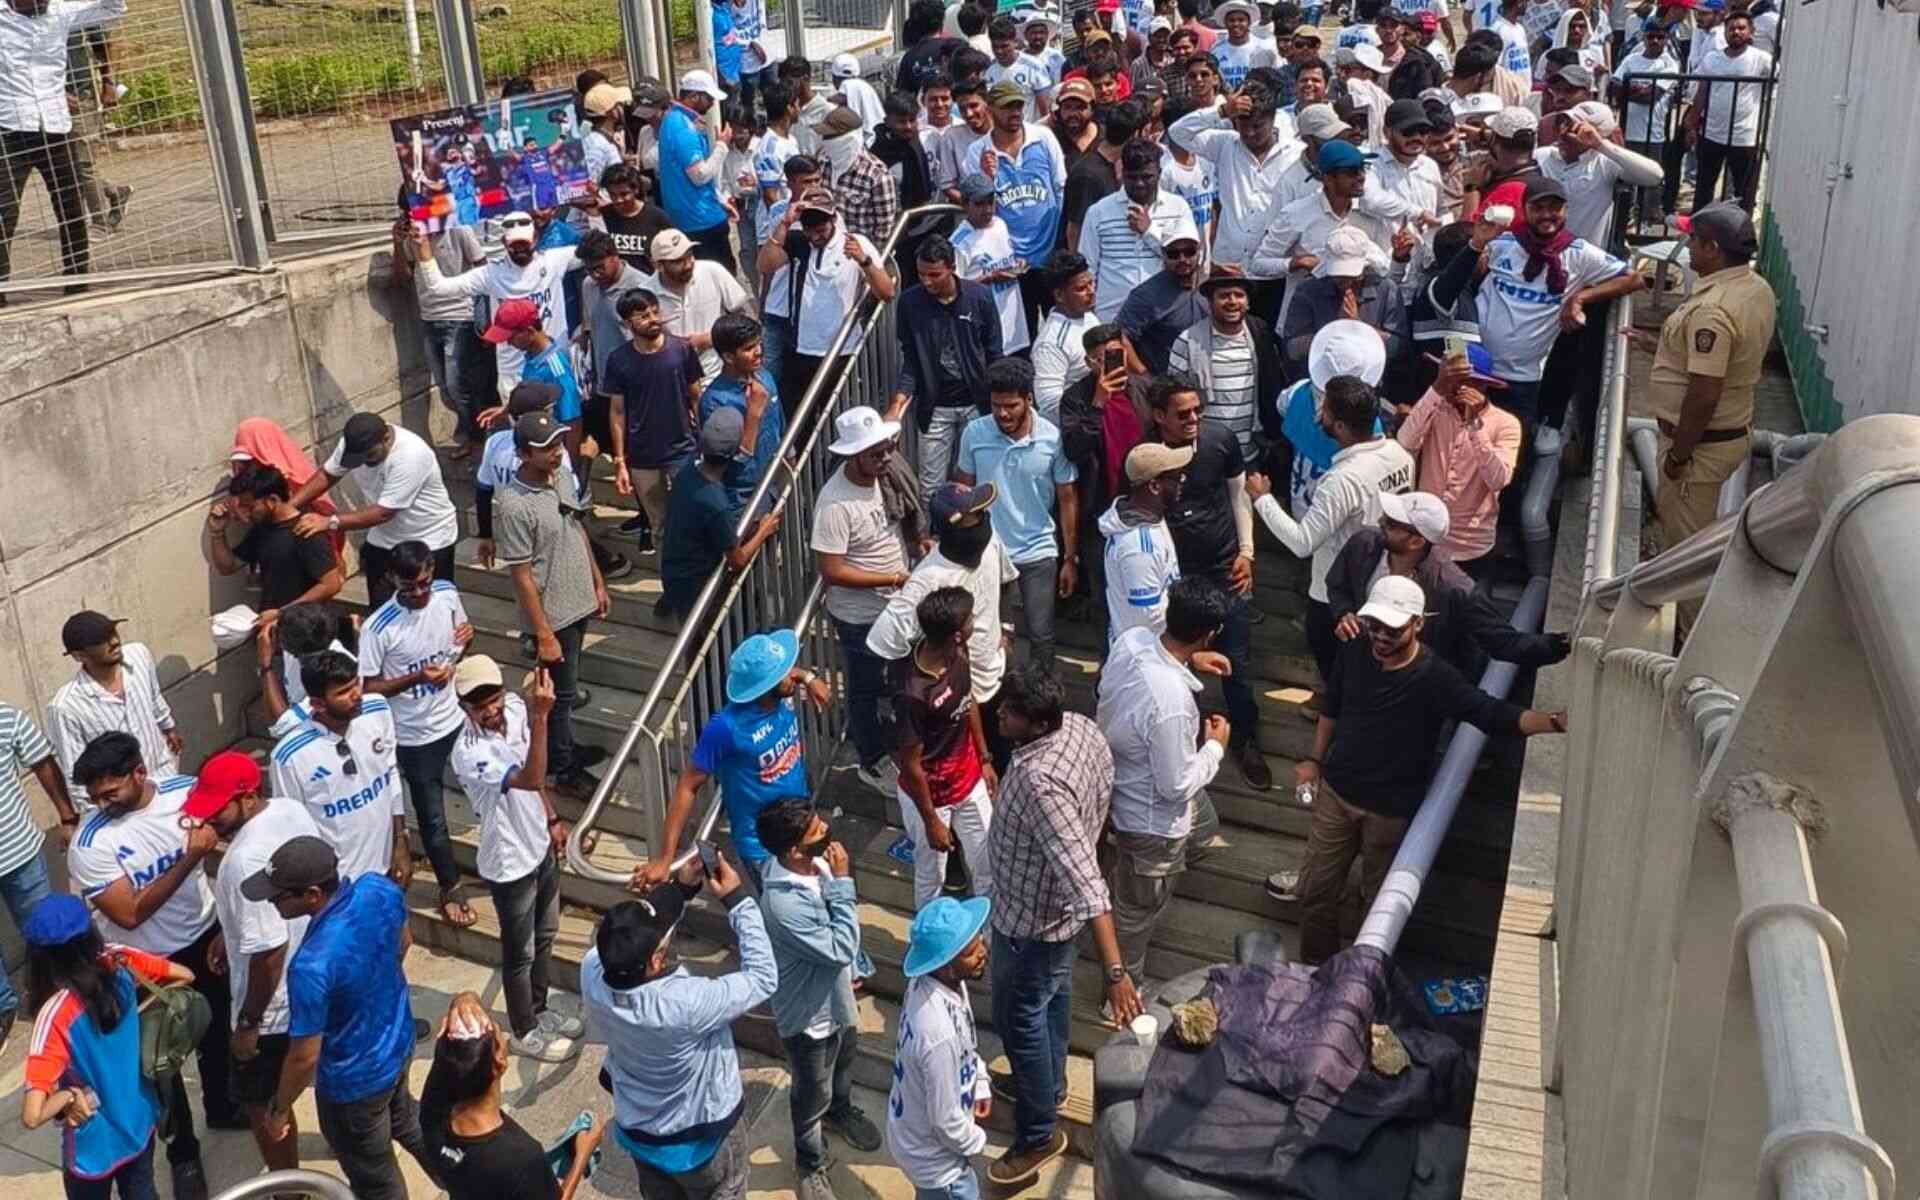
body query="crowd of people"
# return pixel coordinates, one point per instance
(1181, 290)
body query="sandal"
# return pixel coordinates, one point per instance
(455, 910)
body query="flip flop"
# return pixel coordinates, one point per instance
(456, 912)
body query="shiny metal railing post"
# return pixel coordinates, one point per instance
(779, 580)
(289, 1183)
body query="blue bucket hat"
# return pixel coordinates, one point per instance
(1336, 155)
(760, 663)
(55, 921)
(941, 930)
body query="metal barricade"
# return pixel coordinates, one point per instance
(130, 192)
(550, 42)
(779, 588)
(1662, 137)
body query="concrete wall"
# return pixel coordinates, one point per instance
(1844, 155)
(116, 419)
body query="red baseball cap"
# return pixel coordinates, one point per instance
(513, 316)
(222, 777)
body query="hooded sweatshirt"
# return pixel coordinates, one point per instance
(1141, 566)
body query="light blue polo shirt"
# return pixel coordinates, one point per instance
(1024, 472)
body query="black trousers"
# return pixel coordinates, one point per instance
(51, 154)
(216, 1091)
(1742, 164)
(714, 245)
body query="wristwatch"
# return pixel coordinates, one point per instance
(1116, 973)
(333, 523)
(243, 1021)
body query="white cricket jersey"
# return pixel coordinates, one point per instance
(977, 251)
(1520, 317)
(254, 926)
(352, 797)
(1028, 74)
(140, 847)
(1141, 566)
(397, 640)
(513, 821)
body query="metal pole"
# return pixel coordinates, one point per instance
(460, 52)
(411, 20)
(292, 1183)
(214, 38)
(1609, 459)
(797, 28)
(1816, 1146)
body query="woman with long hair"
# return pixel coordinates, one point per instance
(83, 1065)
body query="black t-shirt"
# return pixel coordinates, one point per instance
(632, 235)
(506, 1162)
(923, 61)
(1088, 180)
(699, 533)
(288, 565)
(1387, 725)
(653, 389)
(1202, 526)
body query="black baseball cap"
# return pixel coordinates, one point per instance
(87, 628)
(537, 429)
(1405, 116)
(531, 395)
(303, 862)
(1542, 187)
(364, 431)
(633, 929)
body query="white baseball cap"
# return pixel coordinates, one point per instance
(1512, 121)
(1596, 114)
(1346, 348)
(860, 428)
(1157, 24)
(1367, 55)
(1393, 601)
(1479, 104)
(1424, 511)
(701, 81)
(843, 66)
(1347, 253)
(516, 227)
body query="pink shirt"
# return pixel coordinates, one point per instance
(1466, 465)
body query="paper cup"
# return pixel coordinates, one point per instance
(1146, 1030)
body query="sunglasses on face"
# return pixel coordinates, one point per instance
(1375, 628)
(1183, 252)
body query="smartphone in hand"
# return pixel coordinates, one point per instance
(709, 858)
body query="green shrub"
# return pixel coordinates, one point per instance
(156, 99)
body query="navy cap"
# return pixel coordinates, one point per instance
(976, 187)
(87, 628)
(951, 501)
(1337, 155)
(1545, 187)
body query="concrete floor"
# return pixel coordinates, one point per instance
(542, 1098)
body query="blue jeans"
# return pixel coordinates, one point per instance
(21, 888)
(442, 342)
(424, 768)
(866, 689)
(776, 342)
(967, 1187)
(1033, 1009)
(1236, 642)
(822, 1070)
(134, 1180)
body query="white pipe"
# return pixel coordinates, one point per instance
(1609, 449)
(413, 41)
(1536, 530)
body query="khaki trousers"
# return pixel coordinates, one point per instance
(1687, 505)
(1339, 834)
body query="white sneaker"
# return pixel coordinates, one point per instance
(555, 1023)
(882, 777)
(542, 1046)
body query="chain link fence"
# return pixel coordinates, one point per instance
(209, 134)
(128, 188)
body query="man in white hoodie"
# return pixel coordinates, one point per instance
(1140, 559)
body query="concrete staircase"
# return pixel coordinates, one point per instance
(1261, 832)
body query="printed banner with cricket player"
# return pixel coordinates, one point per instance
(461, 166)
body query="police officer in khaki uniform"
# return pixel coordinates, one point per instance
(1705, 365)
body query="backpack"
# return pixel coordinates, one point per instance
(172, 1022)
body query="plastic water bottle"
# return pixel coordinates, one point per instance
(1303, 794)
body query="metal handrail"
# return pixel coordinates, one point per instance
(297, 1183)
(1609, 445)
(718, 602)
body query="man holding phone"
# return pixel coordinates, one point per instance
(1466, 448)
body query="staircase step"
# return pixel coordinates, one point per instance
(879, 1016)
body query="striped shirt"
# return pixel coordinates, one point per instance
(1121, 259)
(83, 710)
(1059, 358)
(1234, 374)
(22, 745)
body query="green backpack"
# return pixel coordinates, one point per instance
(172, 1022)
